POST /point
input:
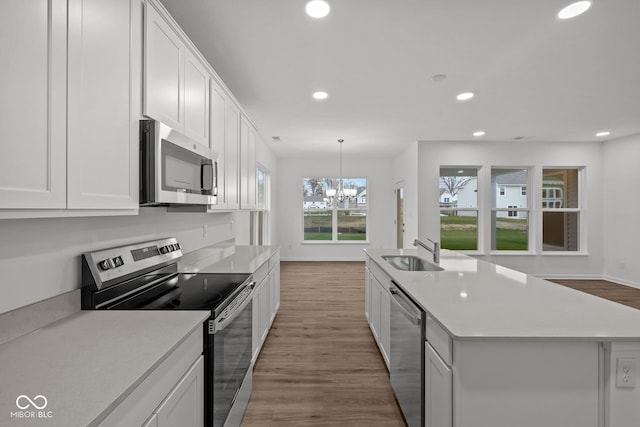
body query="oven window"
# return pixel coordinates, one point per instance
(231, 361)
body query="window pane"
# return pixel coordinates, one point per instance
(355, 190)
(510, 230)
(560, 188)
(509, 187)
(459, 230)
(458, 187)
(560, 231)
(317, 224)
(262, 190)
(352, 225)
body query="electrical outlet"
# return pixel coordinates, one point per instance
(626, 372)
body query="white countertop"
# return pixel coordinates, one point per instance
(474, 299)
(226, 258)
(86, 364)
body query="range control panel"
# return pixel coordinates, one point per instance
(114, 263)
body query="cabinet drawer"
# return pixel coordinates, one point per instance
(261, 273)
(379, 274)
(439, 340)
(274, 260)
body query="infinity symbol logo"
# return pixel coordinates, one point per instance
(33, 403)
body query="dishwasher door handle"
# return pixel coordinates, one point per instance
(414, 318)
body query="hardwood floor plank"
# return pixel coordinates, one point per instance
(320, 365)
(621, 294)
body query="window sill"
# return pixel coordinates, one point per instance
(564, 253)
(511, 253)
(335, 242)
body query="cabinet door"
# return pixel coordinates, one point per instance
(217, 138)
(437, 389)
(196, 99)
(256, 338)
(275, 291)
(184, 406)
(374, 313)
(232, 156)
(385, 324)
(163, 71)
(248, 180)
(265, 312)
(33, 104)
(367, 293)
(103, 104)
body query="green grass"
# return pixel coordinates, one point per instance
(461, 233)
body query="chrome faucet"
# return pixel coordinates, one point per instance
(435, 251)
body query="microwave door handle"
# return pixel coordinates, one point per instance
(206, 176)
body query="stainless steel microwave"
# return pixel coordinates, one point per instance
(175, 170)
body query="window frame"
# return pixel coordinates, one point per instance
(477, 209)
(512, 212)
(335, 209)
(580, 211)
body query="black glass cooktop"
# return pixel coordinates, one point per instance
(182, 291)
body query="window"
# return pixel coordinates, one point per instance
(561, 209)
(259, 225)
(325, 218)
(510, 212)
(523, 191)
(459, 208)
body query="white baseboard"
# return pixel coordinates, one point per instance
(328, 259)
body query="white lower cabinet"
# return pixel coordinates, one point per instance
(171, 395)
(379, 310)
(184, 406)
(438, 392)
(266, 301)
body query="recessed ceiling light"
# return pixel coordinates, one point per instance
(465, 96)
(320, 95)
(574, 9)
(317, 8)
(603, 133)
(478, 133)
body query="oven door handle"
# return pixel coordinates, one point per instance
(222, 322)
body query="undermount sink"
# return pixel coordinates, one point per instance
(410, 263)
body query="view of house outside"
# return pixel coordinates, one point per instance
(459, 208)
(328, 219)
(510, 209)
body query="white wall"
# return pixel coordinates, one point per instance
(405, 175)
(40, 258)
(519, 154)
(291, 171)
(622, 210)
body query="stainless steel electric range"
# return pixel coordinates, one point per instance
(145, 276)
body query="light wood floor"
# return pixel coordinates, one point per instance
(320, 365)
(622, 294)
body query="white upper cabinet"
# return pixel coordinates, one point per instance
(196, 99)
(176, 88)
(33, 104)
(163, 70)
(218, 139)
(248, 182)
(232, 156)
(103, 104)
(70, 104)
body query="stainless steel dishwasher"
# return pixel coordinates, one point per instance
(407, 356)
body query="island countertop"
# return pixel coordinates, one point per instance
(475, 299)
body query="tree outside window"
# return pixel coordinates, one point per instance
(459, 208)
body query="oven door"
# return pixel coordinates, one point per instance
(231, 362)
(174, 169)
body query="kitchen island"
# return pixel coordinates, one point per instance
(504, 348)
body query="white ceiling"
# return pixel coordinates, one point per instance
(535, 76)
